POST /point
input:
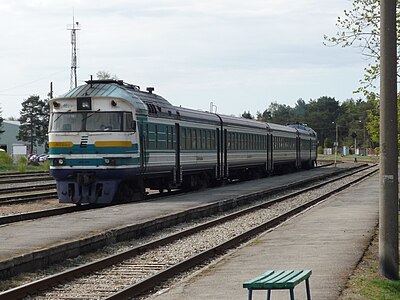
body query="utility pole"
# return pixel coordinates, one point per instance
(51, 90)
(74, 27)
(388, 178)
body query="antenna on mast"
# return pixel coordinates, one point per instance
(74, 27)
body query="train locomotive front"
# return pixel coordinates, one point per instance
(94, 142)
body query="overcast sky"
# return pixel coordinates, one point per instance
(241, 55)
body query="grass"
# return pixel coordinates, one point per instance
(366, 283)
(21, 165)
(350, 158)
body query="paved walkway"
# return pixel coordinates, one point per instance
(330, 239)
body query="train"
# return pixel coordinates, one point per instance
(110, 142)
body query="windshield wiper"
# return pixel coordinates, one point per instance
(61, 114)
(88, 116)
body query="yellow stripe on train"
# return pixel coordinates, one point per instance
(113, 144)
(60, 144)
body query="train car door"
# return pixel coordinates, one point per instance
(225, 153)
(218, 140)
(142, 130)
(271, 153)
(298, 152)
(177, 176)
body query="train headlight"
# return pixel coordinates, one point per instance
(58, 161)
(110, 162)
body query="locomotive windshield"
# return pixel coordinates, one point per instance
(91, 121)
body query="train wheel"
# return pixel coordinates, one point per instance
(130, 191)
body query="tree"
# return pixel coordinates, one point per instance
(1, 123)
(103, 75)
(299, 111)
(247, 115)
(360, 27)
(322, 115)
(34, 119)
(277, 113)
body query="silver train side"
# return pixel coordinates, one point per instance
(109, 141)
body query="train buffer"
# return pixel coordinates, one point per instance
(279, 280)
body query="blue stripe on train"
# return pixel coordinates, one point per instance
(92, 149)
(97, 162)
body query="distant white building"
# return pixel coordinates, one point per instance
(9, 138)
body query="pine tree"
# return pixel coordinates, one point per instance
(1, 123)
(34, 121)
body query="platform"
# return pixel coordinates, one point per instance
(329, 238)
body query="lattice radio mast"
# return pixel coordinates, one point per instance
(74, 27)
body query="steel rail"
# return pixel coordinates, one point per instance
(25, 178)
(60, 211)
(149, 283)
(19, 199)
(17, 189)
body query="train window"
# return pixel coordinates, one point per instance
(103, 121)
(194, 138)
(147, 136)
(183, 138)
(189, 138)
(208, 132)
(156, 136)
(167, 141)
(151, 136)
(203, 139)
(172, 133)
(129, 123)
(213, 140)
(60, 122)
(169, 137)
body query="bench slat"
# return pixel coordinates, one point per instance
(278, 279)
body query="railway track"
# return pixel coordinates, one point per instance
(15, 178)
(142, 268)
(21, 199)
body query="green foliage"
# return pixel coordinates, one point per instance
(1, 123)
(21, 167)
(34, 121)
(330, 119)
(359, 27)
(320, 150)
(381, 289)
(247, 115)
(22, 160)
(277, 113)
(326, 143)
(45, 166)
(6, 161)
(103, 75)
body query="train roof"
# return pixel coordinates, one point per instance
(278, 127)
(159, 106)
(304, 129)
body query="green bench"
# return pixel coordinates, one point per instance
(279, 280)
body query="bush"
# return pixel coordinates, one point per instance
(6, 161)
(320, 150)
(22, 160)
(21, 167)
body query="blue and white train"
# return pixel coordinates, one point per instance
(109, 141)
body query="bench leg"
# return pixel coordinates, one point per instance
(308, 289)
(250, 294)
(291, 294)
(268, 294)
